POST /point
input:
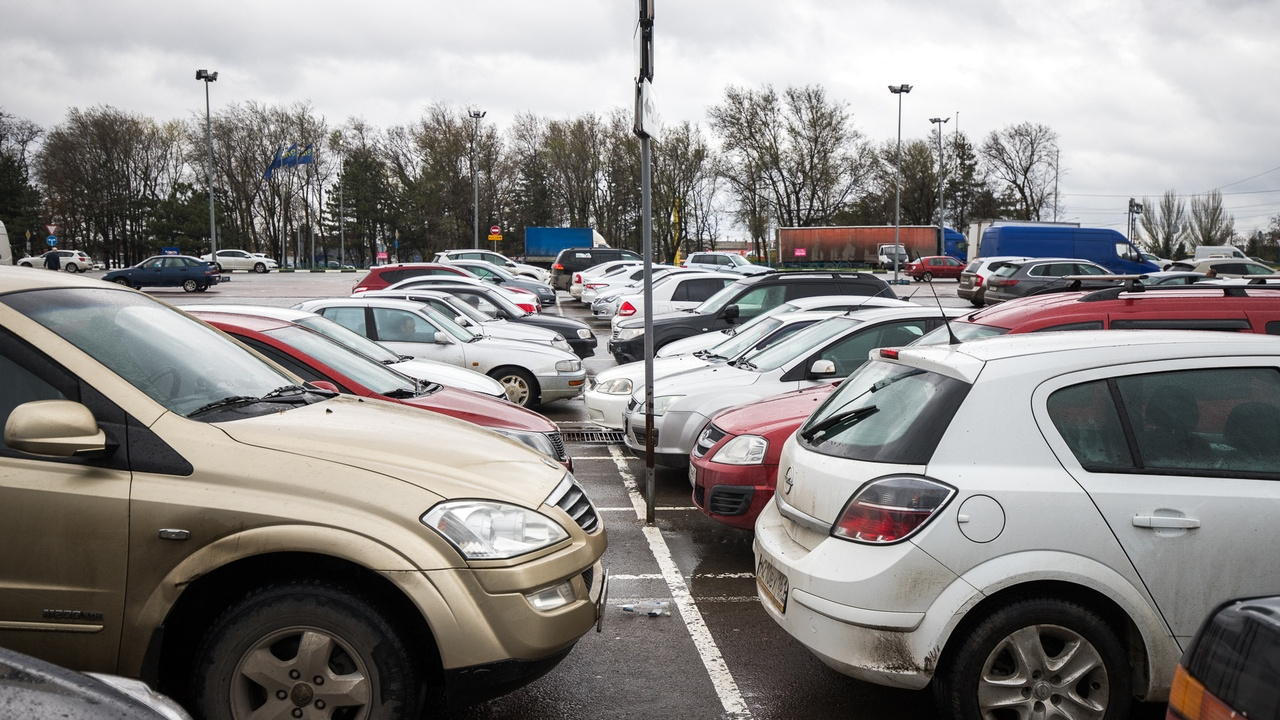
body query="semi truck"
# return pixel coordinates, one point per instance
(860, 244)
(543, 244)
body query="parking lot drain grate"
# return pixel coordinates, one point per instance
(597, 437)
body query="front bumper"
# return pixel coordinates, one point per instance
(606, 410)
(562, 386)
(674, 435)
(625, 351)
(582, 347)
(731, 494)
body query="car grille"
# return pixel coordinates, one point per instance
(578, 506)
(699, 496)
(614, 335)
(730, 500)
(638, 432)
(557, 440)
(589, 577)
(707, 440)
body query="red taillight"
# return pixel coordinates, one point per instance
(596, 286)
(890, 509)
(977, 281)
(577, 278)
(889, 353)
(1004, 282)
(557, 266)
(627, 309)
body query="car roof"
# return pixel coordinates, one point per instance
(256, 323)
(14, 278)
(268, 311)
(363, 302)
(1081, 305)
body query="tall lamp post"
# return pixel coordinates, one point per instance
(941, 238)
(209, 77)
(898, 90)
(475, 173)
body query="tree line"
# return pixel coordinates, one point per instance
(121, 186)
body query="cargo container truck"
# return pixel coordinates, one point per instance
(542, 244)
(860, 244)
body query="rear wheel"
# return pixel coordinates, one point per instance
(259, 268)
(519, 385)
(123, 281)
(928, 277)
(190, 285)
(1037, 657)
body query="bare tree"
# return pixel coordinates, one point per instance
(1211, 224)
(1023, 158)
(1162, 226)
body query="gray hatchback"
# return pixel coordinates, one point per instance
(1019, 279)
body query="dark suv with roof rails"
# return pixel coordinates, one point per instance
(1132, 306)
(737, 303)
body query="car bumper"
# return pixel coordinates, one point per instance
(731, 494)
(674, 435)
(625, 351)
(562, 385)
(847, 602)
(606, 410)
(583, 347)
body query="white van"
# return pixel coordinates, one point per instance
(885, 254)
(6, 252)
(1204, 252)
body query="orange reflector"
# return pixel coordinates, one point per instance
(1188, 700)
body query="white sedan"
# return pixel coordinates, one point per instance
(532, 374)
(820, 353)
(673, 291)
(228, 260)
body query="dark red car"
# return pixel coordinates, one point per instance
(734, 464)
(381, 276)
(935, 266)
(313, 357)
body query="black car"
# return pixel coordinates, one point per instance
(571, 260)
(738, 303)
(33, 689)
(491, 301)
(1231, 668)
(189, 273)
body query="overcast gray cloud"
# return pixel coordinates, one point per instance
(1145, 97)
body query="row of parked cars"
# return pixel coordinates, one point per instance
(274, 512)
(1030, 521)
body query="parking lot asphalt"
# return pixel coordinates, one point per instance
(717, 654)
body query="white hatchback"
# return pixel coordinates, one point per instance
(1035, 523)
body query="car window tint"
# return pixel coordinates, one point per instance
(1086, 325)
(758, 300)
(1218, 420)
(1086, 417)
(1087, 269)
(352, 318)
(395, 325)
(18, 386)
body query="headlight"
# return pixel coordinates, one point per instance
(483, 530)
(742, 450)
(616, 386)
(568, 366)
(536, 440)
(660, 404)
(630, 333)
(585, 333)
(560, 343)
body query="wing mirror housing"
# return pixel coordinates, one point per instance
(822, 369)
(59, 428)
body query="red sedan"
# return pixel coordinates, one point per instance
(935, 266)
(313, 357)
(734, 464)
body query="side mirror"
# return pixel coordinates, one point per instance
(60, 428)
(325, 385)
(442, 338)
(822, 368)
(730, 313)
(462, 320)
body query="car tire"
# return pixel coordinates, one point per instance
(202, 288)
(1013, 659)
(251, 658)
(190, 285)
(71, 268)
(519, 385)
(123, 281)
(927, 277)
(218, 267)
(259, 268)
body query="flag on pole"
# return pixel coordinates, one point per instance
(290, 158)
(274, 163)
(307, 156)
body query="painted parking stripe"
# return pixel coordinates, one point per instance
(722, 680)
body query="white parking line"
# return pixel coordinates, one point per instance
(721, 679)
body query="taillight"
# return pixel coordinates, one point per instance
(557, 266)
(890, 353)
(627, 309)
(1004, 282)
(577, 278)
(1188, 700)
(977, 281)
(596, 286)
(890, 509)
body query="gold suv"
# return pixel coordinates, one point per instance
(176, 508)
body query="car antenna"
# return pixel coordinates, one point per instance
(951, 336)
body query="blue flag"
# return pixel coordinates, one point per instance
(307, 156)
(274, 164)
(290, 158)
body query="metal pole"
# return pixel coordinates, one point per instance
(646, 211)
(208, 135)
(941, 221)
(342, 218)
(898, 90)
(475, 175)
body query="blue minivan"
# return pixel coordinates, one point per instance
(1103, 246)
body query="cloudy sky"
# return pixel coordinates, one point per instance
(1145, 97)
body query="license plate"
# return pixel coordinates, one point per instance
(693, 475)
(774, 584)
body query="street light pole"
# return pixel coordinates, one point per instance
(475, 173)
(898, 90)
(941, 237)
(209, 77)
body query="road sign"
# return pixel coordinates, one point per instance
(495, 233)
(52, 240)
(53, 229)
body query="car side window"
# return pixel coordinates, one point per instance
(351, 318)
(17, 386)
(758, 300)
(851, 352)
(1086, 417)
(401, 326)
(1087, 269)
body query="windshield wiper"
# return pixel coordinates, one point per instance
(224, 402)
(844, 419)
(744, 364)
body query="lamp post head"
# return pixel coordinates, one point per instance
(896, 89)
(477, 114)
(938, 120)
(206, 76)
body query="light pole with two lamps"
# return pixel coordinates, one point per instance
(209, 77)
(475, 173)
(940, 122)
(898, 90)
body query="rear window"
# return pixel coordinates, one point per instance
(963, 331)
(885, 413)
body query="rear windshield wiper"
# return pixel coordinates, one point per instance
(842, 420)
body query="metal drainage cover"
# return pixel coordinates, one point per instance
(596, 437)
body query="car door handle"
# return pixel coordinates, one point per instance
(1164, 521)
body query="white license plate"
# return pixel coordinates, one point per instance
(774, 584)
(693, 475)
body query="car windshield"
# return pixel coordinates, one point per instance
(717, 302)
(737, 260)
(963, 331)
(447, 324)
(350, 338)
(181, 363)
(885, 413)
(800, 344)
(375, 376)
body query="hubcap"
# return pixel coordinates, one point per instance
(1044, 671)
(301, 673)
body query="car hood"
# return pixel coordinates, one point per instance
(659, 318)
(514, 349)
(504, 330)
(710, 380)
(450, 458)
(450, 376)
(662, 368)
(483, 410)
(778, 414)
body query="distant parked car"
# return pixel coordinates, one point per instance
(675, 291)
(69, 260)
(571, 260)
(974, 277)
(1020, 279)
(525, 300)
(506, 279)
(189, 273)
(530, 271)
(380, 276)
(231, 259)
(577, 284)
(1224, 267)
(723, 262)
(928, 268)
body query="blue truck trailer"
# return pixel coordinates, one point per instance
(1103, 246)
(543, 244)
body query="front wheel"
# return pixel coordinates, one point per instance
(190, 285)
(123, 281)
(260, 268)
(305, 650)
(519, 385)
(1037, 657)
(927, 277)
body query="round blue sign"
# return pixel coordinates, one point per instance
(52, 240)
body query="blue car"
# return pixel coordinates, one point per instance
(189, 273)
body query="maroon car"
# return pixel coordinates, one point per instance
(734, 464)
(935, 266)
(315, 358)
(380, 276)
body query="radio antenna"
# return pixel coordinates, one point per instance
(951, 336)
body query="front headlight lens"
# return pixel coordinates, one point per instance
(568, 365)
(536, 440)
(660, 404)
(560, 343)
(630, 333)
(485, 530)
(585, 333)
(615, 386)
(742, 450)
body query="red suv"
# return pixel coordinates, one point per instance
(935, 266)
(383, 275)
